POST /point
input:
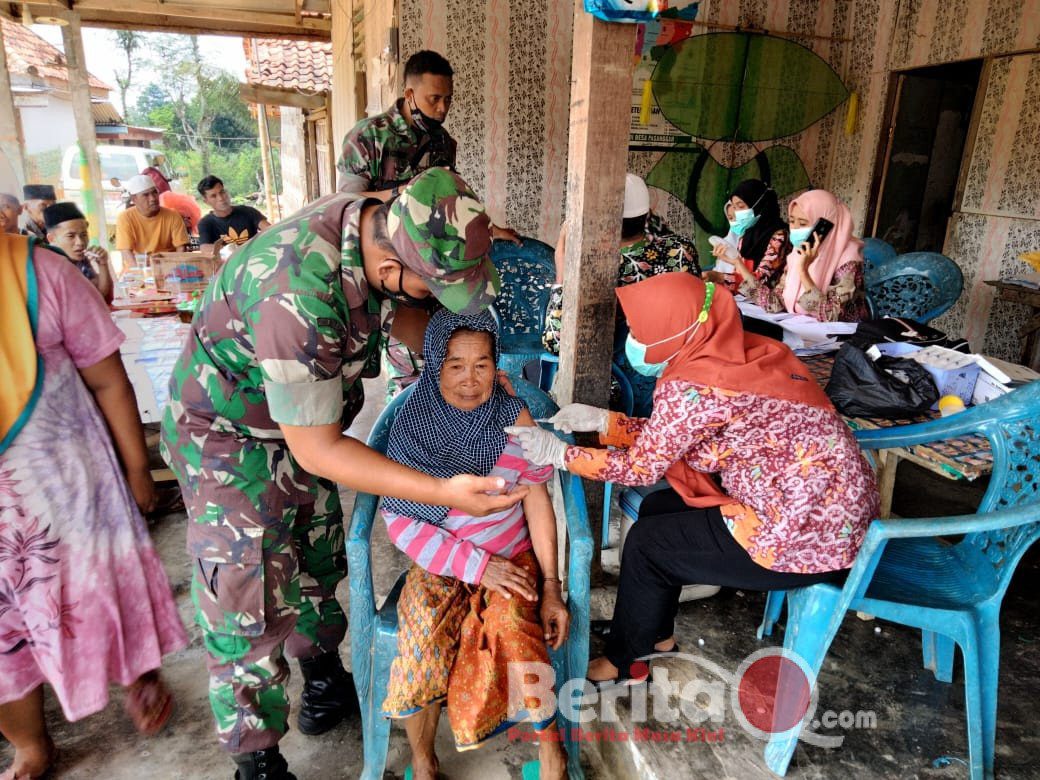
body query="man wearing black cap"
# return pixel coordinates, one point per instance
(35, 198)
(67, 230)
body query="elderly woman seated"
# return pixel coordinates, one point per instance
(483, 592)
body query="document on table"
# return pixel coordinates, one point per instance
(804, 334)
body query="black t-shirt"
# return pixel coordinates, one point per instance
(236, 228)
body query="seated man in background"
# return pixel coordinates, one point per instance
(67, 230)
(10, 209)
(35, 198)
(180, 202)
(146, 227)
(226, 225)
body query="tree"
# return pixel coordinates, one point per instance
(128, 42)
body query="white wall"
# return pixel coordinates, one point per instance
(53, 127)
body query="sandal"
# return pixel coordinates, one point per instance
(149, 704)
(643, 674)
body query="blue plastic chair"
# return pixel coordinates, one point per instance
(373, 632)
(876, 253)
(528, 272)
(908, 573)
(917, 285)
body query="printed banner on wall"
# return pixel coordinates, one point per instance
(640, 10)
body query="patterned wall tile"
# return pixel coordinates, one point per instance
(1020, 192)
(947, 38)
(1002, 21)
(1002, 339)
(979, 168)
(527, 136)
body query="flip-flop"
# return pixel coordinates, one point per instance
(149, 704)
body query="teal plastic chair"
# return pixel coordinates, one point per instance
(876, 253)
(373, 632)
(528, 272)
(918, 285)
(909, 571)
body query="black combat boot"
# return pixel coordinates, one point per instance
(328, 694)
(266, 764)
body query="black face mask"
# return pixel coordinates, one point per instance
(428, 304)
(426, 124)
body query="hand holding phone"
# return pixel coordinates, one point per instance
(821, 230)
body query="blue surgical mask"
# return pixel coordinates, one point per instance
(799, 236)
(742, 220)
(635, 350)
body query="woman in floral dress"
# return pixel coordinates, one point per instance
(84, 599)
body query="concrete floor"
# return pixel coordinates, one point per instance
(918, 719)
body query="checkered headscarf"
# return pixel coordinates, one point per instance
(434, 437)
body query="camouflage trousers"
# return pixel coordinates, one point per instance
(402, 367)
(270, 593)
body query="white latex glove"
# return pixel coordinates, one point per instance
(540, 447)
(580, 417)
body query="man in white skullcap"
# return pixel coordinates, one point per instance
(146, 227)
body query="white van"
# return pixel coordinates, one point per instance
(117, 162)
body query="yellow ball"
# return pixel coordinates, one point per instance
(950, 404)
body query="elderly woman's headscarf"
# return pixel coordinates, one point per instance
(434, 437)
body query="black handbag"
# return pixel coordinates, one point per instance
(886, 387)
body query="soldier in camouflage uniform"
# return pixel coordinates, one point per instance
(382, 153)
(267, 382)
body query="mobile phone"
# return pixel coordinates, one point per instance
(822, 229)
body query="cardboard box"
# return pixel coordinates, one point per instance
(954, 372)
(182, 271)
(998, 378)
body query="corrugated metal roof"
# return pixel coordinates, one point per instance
(105, 113)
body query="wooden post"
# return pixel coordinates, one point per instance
(12, 153)
(265, 162)
(344, 115)
(79, 87)
(601, 96)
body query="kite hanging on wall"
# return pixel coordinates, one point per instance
(640, 10)
(713, 102)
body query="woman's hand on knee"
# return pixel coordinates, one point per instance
(556, 620)
(506, 578)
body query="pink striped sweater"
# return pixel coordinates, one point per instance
(463, 546)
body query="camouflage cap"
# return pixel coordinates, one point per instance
(440, 231)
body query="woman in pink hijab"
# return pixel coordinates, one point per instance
(824, 278)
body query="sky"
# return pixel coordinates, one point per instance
(103, 57)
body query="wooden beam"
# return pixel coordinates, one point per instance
(299, 10)
(280, 96)
(79, 87)
(238, 28)
(597, 158)
(265, 164)
(12, 150)
(343, 73)
(140, 15)
(601, 89)
(215, 12)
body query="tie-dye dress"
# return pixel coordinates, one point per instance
(84, 599)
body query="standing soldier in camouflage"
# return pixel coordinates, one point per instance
(384, 152)
(268, 380)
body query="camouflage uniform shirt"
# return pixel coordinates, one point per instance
(284, 334)
(383, 151)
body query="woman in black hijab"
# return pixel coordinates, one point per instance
(753, 212)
